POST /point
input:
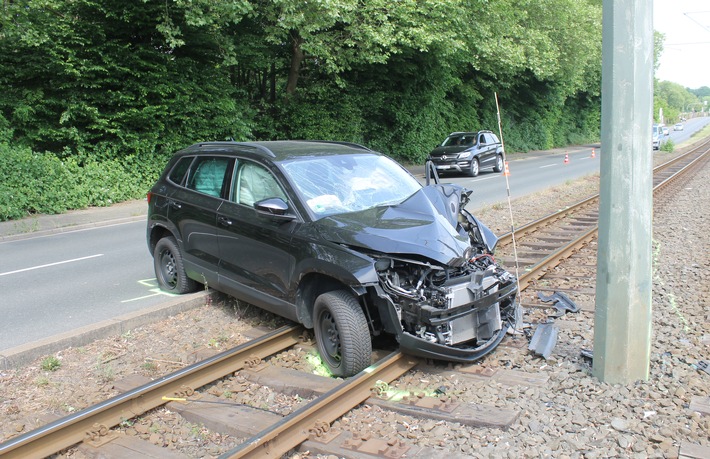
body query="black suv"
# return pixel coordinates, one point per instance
(468, 152)
(338, 238)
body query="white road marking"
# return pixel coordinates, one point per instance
(51, 264)
(549, 165)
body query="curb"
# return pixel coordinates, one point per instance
(70, 228)
(25, 354)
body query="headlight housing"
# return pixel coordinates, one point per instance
(465, 155)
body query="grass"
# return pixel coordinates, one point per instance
(50, 363)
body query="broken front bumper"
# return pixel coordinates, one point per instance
(484, 319)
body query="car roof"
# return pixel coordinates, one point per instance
(277, 150)
(469, 132)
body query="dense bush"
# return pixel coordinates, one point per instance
(668, 146)
(44, 183)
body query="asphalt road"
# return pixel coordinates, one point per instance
(56, 283)
(61, 282)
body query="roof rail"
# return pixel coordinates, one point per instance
(256, 146)
(336, 142)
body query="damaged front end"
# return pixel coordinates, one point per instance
(456, 312)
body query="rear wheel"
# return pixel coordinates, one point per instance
(473, 168)
(342, 335)
(499, 164)
(169, 269)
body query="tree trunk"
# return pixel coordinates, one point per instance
(296, 60)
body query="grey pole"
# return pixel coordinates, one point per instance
(622, 321)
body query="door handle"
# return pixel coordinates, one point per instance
(225, 221)
(174, 204)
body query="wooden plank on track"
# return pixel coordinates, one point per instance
(693, 451)
(470, 414)
(220, 415)
(700, 404)
(520, 378)
(290, 381)
(125, 447)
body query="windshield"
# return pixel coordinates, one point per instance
(340, 184)
(460, 139)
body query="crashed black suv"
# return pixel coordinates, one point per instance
(338, 238)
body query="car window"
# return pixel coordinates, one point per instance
(340, 184)
(491, 138)
(255, 183)
(208, 175)
(179, 171)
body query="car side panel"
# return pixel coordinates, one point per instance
(256, 252)
(194, 216)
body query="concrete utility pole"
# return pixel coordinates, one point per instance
(622, 321)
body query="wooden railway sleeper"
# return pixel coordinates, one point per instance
(365, 443)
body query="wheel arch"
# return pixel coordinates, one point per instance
(315, 284)
(156, 233)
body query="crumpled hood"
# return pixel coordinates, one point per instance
(422, 225)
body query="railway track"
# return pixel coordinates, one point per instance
(566, 237)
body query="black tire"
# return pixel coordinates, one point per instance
(342, 334)
(169, 270)
(474, 168)
(499, 164)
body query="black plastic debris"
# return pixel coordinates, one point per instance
(587, 355)
(561, 302)
(704, 365)
(544, 339)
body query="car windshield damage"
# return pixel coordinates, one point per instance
(333, 185)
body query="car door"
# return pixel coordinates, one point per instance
(257, 257)
(193, 210)
(488, 149)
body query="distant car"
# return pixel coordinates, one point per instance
(666, 131)
(468, 152)
(657, 136)
(336, 237)
(678, 127)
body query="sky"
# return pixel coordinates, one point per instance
(686, 51)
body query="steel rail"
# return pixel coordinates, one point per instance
(534, 225)
(294, 429)
(538, 270)
(555, 258)
(72, 429)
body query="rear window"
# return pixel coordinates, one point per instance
(208, 175)
(177, 175)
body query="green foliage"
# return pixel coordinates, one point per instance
(108, 89)
(50, 363)
(45, 183)
(668, 146)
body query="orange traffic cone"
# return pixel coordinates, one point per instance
(507, 171)
(566, 158)
(593, 154)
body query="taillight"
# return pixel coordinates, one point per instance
(149, 196)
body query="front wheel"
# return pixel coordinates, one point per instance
(342, 335)
(499, 164)
(169, 269)
(474, 168)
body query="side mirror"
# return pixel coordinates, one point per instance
(275, 208)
